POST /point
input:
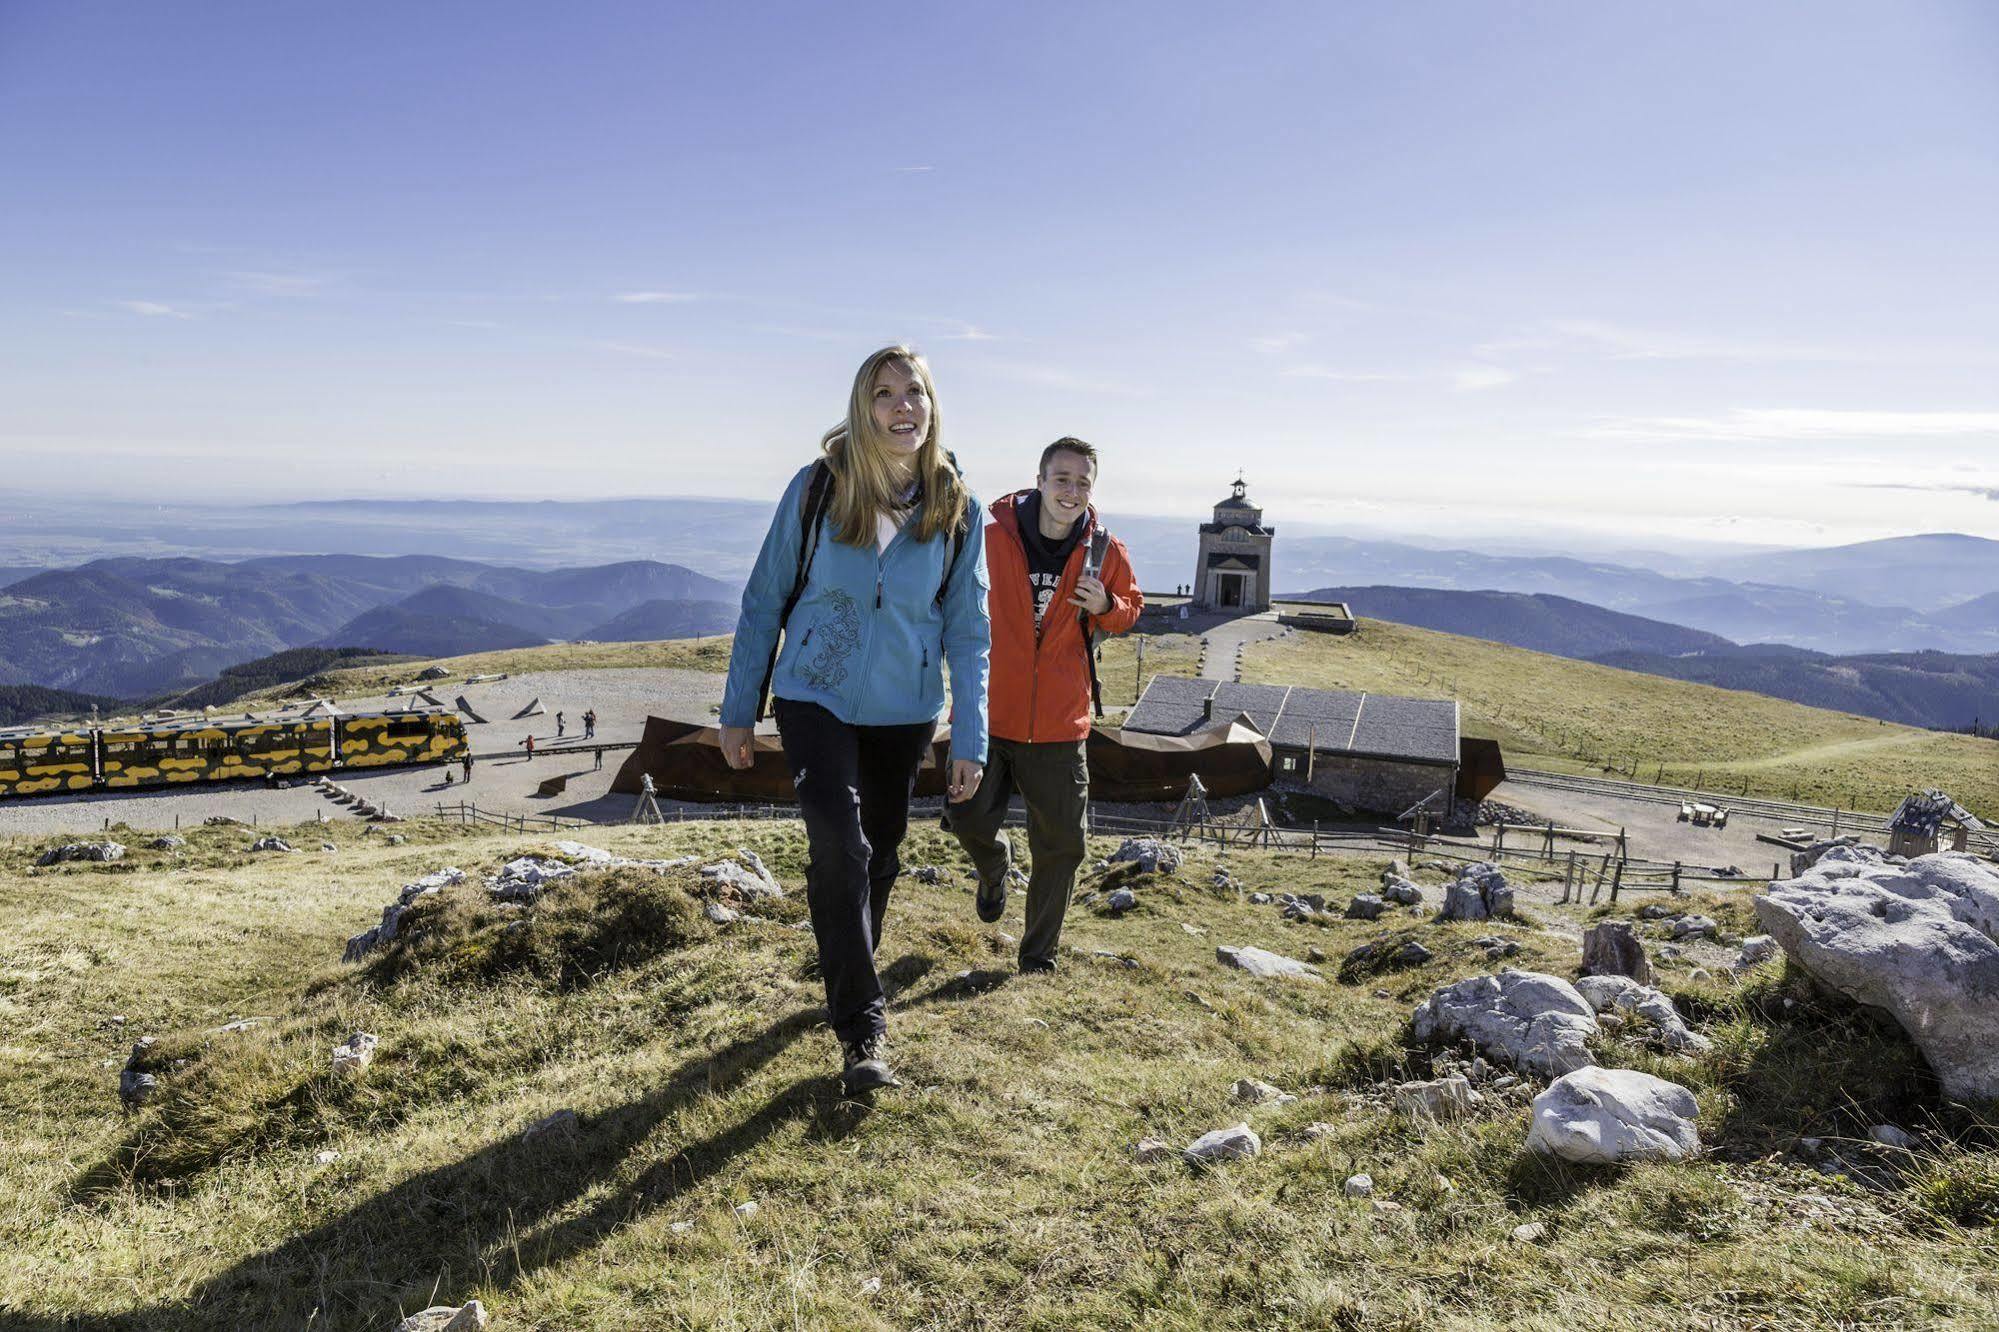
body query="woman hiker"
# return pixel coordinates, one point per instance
(874, 570)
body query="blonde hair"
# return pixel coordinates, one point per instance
(858, 451)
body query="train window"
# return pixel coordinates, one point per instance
(408, 730)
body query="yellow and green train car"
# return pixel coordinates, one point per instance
(38, 761)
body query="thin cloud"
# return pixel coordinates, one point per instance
(654, 297)
(1339, 376)
(967, 333)
(1983, 492)
(911, 170)
(1477, 378)
(153, 309)
(1271, 344)
(279, 284)
(1799, 423)
(640, 349)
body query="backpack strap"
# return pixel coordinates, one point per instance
(959, 531)
(812, 509)
(1093, 564)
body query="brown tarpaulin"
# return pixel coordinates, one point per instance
(685, 760)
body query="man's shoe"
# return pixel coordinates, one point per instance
(1031, 966)
(867, 1065)
(991, 901)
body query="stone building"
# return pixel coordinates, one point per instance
(1232, 571)
(1374, 752)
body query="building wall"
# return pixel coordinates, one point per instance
(1379, 786)
(1256, 583)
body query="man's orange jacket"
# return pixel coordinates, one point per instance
(1040, 683)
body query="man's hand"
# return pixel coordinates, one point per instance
(965, 778)
(1090, 596)
(736, 746)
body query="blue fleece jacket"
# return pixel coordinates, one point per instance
(868, 638)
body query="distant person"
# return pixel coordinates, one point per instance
(590, 724)
(529, 742)
(876, 549)
(558, 726)
(468, 767)
(1060, 581)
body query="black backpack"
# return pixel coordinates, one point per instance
(812, 509)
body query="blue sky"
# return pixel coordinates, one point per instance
(1673, 273)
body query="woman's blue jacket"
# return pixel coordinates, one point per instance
(870, 635)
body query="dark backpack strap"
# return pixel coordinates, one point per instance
(1093, 564)
(959, 531)
(812, 508)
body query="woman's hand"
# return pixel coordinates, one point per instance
(1090, 596)
(965, 778)
(737, 750)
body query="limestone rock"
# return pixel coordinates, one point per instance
(1121, 900)
(1238, 1142)
(1756, 950)
(91, 851)
(561, 1124)
(352, 1056)
(1694, 927)
(745, 875)
(1151, 855)
(1360, 1186)
(1402, 892)
(1478, 893)
(720, 914)
(523, 878)
(1533, 1232)
(1254, 1092)
(271, 843)
(1366, 906)
(1442, 1099)
(446, 1318)
(1612, 948)
(435, 882)
(1258, 962)
(167, 842)
(1611, 993)
(1890, 1136)
(1598, 1116)
(1919, 939)
(1817, 851)
(1531, 1022)
(1151, 1151)
(575, 851)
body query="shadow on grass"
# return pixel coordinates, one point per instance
(490, 1218)
(1546, 1183)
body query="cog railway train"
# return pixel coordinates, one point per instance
(39, 760)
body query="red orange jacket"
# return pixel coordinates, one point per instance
(1040, 683)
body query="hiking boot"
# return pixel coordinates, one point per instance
(991, 901)
(866, 1065)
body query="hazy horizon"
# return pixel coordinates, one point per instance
(1575, 276)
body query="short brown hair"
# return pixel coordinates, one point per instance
(1068, 444)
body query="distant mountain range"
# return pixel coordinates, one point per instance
(1917, 688)
(1556, 625)
(1822, 618)
(141, 628)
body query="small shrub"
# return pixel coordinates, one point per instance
(1961, 1190)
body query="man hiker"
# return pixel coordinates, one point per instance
(590, 724)
(529, 742)
(468, 767)
(558, 726)
(1058, 582)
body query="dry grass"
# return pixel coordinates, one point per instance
(1551, 712)
(994, 1190)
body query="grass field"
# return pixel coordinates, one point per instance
(995, 1190)
(1551, 712)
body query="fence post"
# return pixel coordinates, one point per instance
(1676, 878)
(1315, 839)
(1616, 882)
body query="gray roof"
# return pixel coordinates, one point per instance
(1925, 812)
(1330, 721)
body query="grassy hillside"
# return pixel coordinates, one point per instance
(996, 1189)
(1575, 716)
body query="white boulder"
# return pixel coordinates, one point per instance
(1599, 1116)
(1918, 939)
(1608, 994)
(1238, 1142)
(1478, 893)
(1150, 854)
(1258, 962)
(1529, 1021)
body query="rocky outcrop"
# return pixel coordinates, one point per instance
(1600, 1116)
(368, 940)
(1150, 854)
(88, 851)
(1528, 1021)
(1480, 892)
(1612, 948)
(1918, 939)
(1611, 994)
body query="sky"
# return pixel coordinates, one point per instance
(1569, 271)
